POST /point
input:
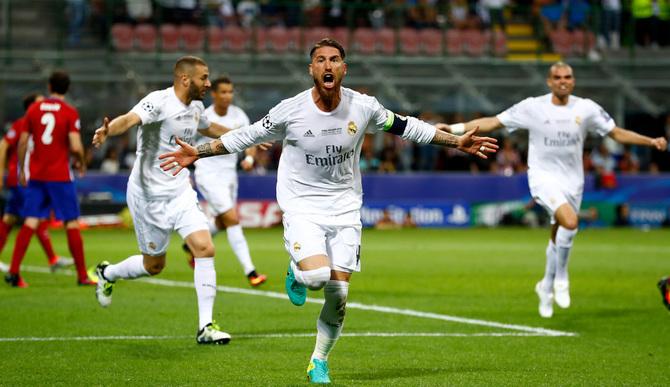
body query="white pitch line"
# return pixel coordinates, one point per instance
(352, 305)
(269, 336)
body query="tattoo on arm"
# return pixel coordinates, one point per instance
(205, 150)
(445, 139)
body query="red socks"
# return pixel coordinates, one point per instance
(43, 235)
(22, 242)
(76, 246)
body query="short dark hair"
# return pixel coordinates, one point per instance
(187, 63)
(29, 99)
(221, 80)
(327, 42)
(59, 82)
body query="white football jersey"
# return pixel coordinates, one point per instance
(235, 118)
(556, 137)
(164, 117)
(319, 166)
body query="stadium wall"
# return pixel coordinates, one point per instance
(438, 200)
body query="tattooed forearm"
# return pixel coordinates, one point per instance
(445, 139)
(212, 148)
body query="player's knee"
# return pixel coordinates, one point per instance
(316, 279)
(565, 236)
(203, 250)
(571, 223)
(154, 268)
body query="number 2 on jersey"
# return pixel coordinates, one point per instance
(49, 122)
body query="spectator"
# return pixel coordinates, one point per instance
(76, 11)
(460, 16)
(622, 215)
(110, 165)
(552, 15)
(386, 223)
(247, 11)
(604, 163)
(313, 11)
(389, 160)
(651, 21)
(221, 13)
(335, 12)
(508, 160)
(492, 13)
(629, 162)
(408, 221)
(139, 11)
(577, 14)
(610, 24)
(422, 14)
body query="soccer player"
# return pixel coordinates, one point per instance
(557, 124)
(664, 287)
(54, 127)
(14, 206)
(161, 203)
(216, 177)
(319, 182)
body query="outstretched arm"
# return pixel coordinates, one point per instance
(485, 124)
(117, 126)
(625, 136)
(468, 143)
(188, 154)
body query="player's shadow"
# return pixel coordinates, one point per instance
(394, 373)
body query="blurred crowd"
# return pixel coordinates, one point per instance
(649, 19)
(382, 153)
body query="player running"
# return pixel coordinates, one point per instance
(216, 177)
(557, 124)
(14, 206)
(664, 287)
(53, 126)
(319, 181)
(161, 203)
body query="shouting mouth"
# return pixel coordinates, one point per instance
(328, 80)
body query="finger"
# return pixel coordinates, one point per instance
(181, 142)
(177, 170)
(105, 122)
(166, 155)
(481, 155)
(168, 164)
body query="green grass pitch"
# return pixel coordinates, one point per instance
(622, 332)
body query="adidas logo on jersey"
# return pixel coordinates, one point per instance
(308, 134)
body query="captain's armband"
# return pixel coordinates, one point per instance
(395, 123)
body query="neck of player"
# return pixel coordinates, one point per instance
(57, 96)
(560, 99)
(326, 100)
(221, 110)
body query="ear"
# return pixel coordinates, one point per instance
(345, 69)
(310, 70)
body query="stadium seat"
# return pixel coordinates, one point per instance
(476, 42)
(192, 37)
(431, 41)
(282, 40)
(341, 34)
(385, 38)
(122, 37)
(582, 42)
(313, 35)
(261, 39)
(215, 39)
(169, 38)
(561, 41)
(145, 37)
(409, 41)
(236, 39)
(499, 43)
(364, 41)
(454, 42)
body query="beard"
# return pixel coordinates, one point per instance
(194, 92)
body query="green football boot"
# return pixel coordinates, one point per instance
(296, 291)
(317, 372)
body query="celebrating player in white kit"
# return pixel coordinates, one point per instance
(319, 181)
(161, 203)
(557, 124)
(216, 177)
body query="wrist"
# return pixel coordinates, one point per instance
(457, 129)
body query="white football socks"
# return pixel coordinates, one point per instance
(550, 268)
(204, 279)
(564, 238)
(239, 245)
(330, 322)
(129, 268)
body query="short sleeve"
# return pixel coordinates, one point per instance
(518, 116)
(75, 123)
(14, 133)
(599, 121)
(148, 109)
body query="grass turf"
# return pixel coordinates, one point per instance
(623, 330)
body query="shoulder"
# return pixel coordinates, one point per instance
(359, 99)
(69, 109)
(291, 105)
(156, 98)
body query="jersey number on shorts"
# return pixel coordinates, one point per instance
(49, 122)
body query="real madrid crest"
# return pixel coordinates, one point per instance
(578, 120)
(296, 246)
(352, 128)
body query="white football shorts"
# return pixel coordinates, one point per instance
(218, 188)
(550, 195)
(154, 220)
(305, 236)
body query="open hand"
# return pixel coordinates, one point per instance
(101, 133)
(476, 145)
(179, 159)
